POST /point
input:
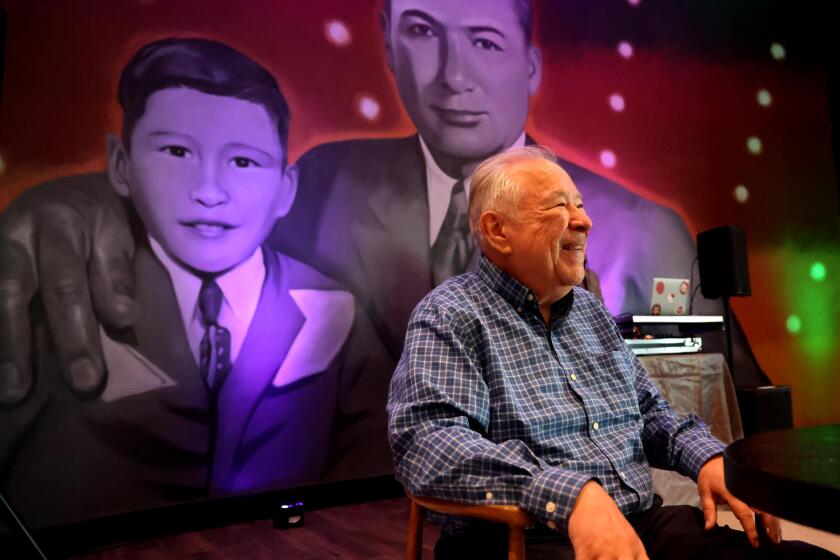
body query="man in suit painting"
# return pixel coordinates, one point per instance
(239, 373)
(374, 213)
(368, 212)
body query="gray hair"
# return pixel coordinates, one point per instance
(495, 185)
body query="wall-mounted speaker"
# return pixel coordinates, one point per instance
(722, 255)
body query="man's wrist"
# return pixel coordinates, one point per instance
(552, 496)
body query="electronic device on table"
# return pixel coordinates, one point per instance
(666, 334)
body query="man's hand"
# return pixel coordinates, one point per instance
(712, 489)
(598, 529)
(70, 242)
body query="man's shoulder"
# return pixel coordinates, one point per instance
(359, 152)
(610, 200)
(457, 298)
(94, 186)
(587, 303)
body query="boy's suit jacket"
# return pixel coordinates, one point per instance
(303, 403)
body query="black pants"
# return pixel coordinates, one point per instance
(668, 532)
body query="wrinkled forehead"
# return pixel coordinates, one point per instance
(509, 16)
(542, 181)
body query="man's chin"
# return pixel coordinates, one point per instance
(210, 266)
(469, 144)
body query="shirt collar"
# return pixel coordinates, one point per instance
(439, 187)
(516, 293)
(241, 286)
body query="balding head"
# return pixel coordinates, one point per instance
(496, 182)
(528, 218)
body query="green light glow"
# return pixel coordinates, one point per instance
(815, 303)
(818, 271)
(793, 324)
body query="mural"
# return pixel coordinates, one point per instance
(214, 303)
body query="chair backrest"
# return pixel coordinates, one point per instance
(515, 518)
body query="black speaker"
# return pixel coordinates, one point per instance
(765, 408)
(722, 254)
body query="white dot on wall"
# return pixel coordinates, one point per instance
(617, 102)
(337, 33)
(754, 145)
(608, 158)
(741, 193)
(764, 98)
(625, 49)
(368, 107)
(777, 51)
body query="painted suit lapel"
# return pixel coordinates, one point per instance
(160, 334)
(270, 334)
(392, 238)
(295, 334)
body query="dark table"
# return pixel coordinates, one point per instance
(793, 474)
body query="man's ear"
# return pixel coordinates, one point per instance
(495, 233)
(288, 190)
(385, 23)
(534, 69)
(118, 165)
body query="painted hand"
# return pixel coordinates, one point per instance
(69, 243)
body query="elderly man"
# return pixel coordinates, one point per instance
(515, 387)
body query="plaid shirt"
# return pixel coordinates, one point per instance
(488, 405)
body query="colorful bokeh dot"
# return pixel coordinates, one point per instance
(368, 107)
(625, 49)
(764, 98)
(607, 158)
(337, 33)
(793, 324)
(818, 271)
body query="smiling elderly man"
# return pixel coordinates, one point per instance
(515, 387)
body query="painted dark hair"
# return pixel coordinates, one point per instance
(203, 65)
(524, 13)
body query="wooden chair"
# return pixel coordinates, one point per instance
(516, 520)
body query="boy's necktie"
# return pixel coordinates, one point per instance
(215, 345)
(454, 248)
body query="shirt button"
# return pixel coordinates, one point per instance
(519, 310)
(595, 425)
(551, 525)
(574, 377)
(622, 475)
(530, 297)
(550, 507)
(488, 496)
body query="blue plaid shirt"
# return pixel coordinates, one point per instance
(489, 405)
